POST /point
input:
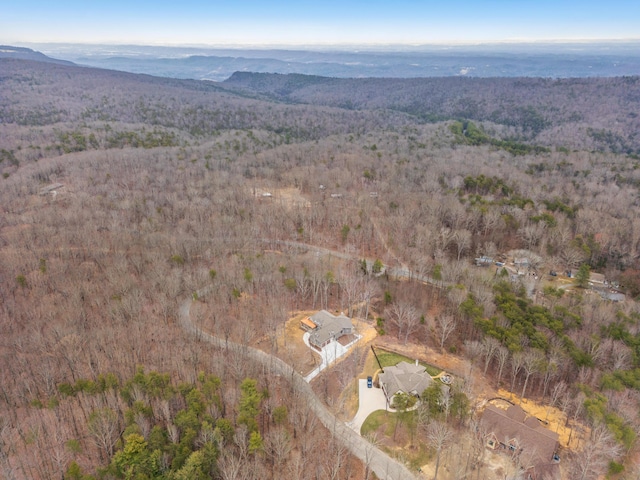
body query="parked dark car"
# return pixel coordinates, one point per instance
(369, 382)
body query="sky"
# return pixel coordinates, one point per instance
(318, 22)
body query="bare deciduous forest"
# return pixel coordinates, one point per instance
(490, 223)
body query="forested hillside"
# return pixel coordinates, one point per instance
(141, 217)
(593, 113)
(38, 94)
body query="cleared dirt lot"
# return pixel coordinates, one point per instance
(292, 349)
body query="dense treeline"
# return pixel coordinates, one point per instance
(168, 186)
(148, 427)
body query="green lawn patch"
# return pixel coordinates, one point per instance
(417, 454)
(376, 420)
(389, 359)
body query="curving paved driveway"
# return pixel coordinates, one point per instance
(329, 354)
(385, 467)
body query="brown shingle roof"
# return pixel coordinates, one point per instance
(538, 444)
(514, 412)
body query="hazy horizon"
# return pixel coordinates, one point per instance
(346, 24)
(541, 43)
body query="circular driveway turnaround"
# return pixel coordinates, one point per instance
(370, 400)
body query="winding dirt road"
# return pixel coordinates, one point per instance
(398, 272)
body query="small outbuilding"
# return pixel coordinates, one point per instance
(50, 189)
(484, 261)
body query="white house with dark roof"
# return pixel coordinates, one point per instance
(405, 377)
(325, 327)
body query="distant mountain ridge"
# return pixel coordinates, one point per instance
(22, 53)
(578, 60)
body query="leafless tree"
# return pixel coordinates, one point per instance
(456, 296)
(558, 391)
(531, 363)
(532, 234)
(405, 317)
(6, 447)
(439, 435)
(549, 369)
(298, 468)
(516, 365)
(594, 457)
(230, 465)
(490, 346)
(369, 290)
(502, 357)
(58, 451)
(277, 446)
(462, 239)
(621, 356)
(446, 325)
(473, 349)
(302, 286)
(104, 427)
(574, 404)
(144, 424)
(334, 460)
(351, 286)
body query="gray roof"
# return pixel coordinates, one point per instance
(329, 326)
(405, 377)
(612, 296)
